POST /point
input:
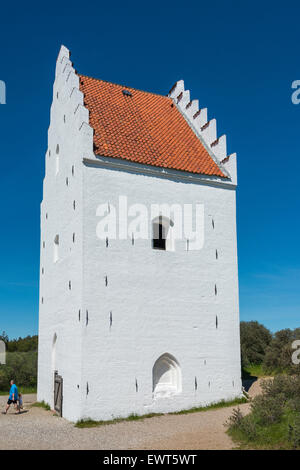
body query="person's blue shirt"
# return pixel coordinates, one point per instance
(13, 389)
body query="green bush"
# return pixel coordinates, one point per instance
(21, 362)
(294, 433)
(278, 357)
(255, 339)
(274, 420)
(263, 353)
(21, 367)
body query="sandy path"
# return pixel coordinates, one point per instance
(39, 429)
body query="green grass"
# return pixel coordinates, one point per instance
(252, 371)
(89, 423)
(23, 390)
(271, 437)
(213, 406)
(41, 404)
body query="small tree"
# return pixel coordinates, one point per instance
(255, 339)
(279, 353)
(4, 337)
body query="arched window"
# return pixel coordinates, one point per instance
(161, 239)
(166, 375)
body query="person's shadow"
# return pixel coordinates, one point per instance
(21, 412)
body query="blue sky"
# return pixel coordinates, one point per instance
(238, 58)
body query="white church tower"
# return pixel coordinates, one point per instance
(130, 323)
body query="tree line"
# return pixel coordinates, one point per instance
(273, 352)
(259, 347)
(21, 362)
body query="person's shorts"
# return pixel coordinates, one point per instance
(12, 401)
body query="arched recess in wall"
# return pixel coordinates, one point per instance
(162, 233)
(166, 376)
(53, 353)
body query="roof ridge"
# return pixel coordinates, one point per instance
(125, 86)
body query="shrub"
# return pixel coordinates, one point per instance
(294, 433)
(255, 339)
(21, 362)
(278, 357)
(22, 367)
(268, 410)
(274, 420)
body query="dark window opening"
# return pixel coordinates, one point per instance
(159, 238)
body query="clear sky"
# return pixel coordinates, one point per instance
(238, 58)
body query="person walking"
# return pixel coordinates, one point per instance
(13, 397)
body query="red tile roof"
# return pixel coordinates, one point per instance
(144, 128)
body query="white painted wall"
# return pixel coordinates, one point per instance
(160, 302)
(59, 306)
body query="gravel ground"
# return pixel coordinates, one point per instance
(37, 428)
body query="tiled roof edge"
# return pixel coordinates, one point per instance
(205, 130)
(127, 165)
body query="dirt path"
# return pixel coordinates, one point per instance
(39, 429)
